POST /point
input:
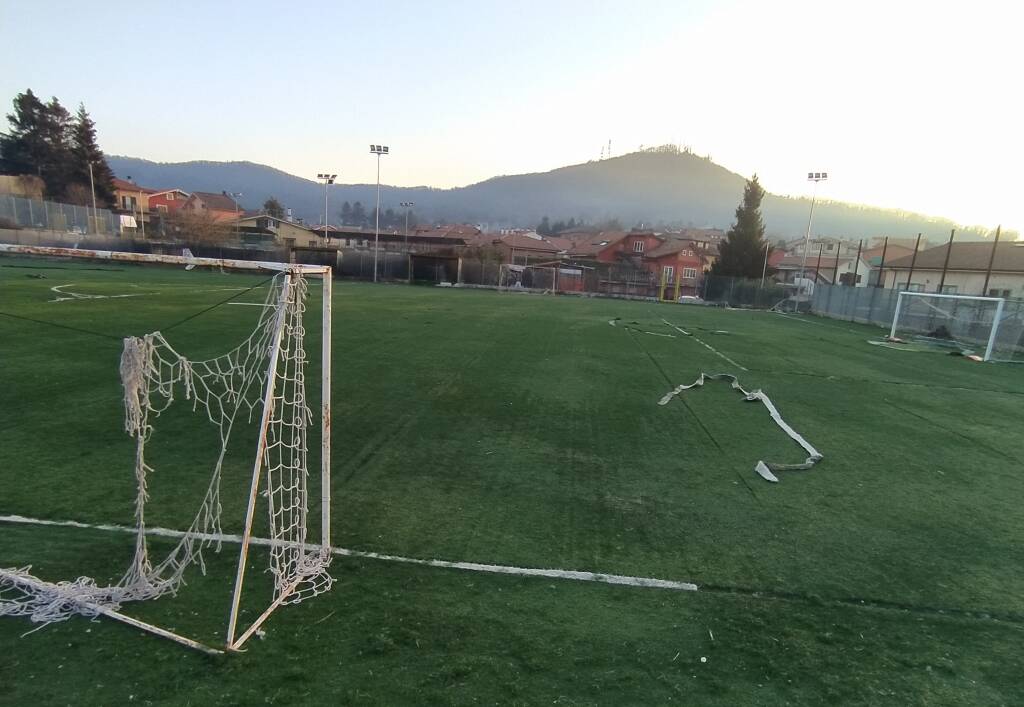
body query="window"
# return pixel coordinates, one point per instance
(667, 273)
(170, 196)
(638, 246)
(994, 292)
(949, 289)
(915, 287)
(690, 273)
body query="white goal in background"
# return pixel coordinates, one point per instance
(261, 378)
(988, 326)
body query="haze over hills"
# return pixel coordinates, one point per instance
(655, 188)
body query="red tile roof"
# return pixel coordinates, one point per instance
(217, 202)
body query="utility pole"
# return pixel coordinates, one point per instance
(92, 185)
(377, 150)
(764, 268)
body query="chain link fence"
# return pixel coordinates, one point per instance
(17, 212)
(742, 292)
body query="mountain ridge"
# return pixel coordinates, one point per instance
(655, 188)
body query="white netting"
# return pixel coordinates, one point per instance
(961, 324)
(221, 388)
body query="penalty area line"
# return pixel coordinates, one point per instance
(575, 575)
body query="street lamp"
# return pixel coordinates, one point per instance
(407, 205)
(377, 150)
(328, 179)
(811, 177)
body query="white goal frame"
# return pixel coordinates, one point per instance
(325, 273)
(996, 320)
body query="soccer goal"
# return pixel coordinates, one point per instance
(260, 380)
(989, 327)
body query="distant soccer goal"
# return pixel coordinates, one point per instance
(989, 327)
(260, 380)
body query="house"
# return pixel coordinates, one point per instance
(845, 270)
(167, 202)
(266, 230)
(965, 273)
(131, 198)
(221, 208)
(522, 246)
(678, 264)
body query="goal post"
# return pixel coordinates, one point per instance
(265, 374)
(948, 319)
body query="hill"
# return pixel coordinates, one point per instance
(656, 187)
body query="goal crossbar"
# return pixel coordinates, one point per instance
(325, 273)
(997, 318)
(124, 257)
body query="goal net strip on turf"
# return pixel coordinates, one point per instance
(764, 469)
(264, 376)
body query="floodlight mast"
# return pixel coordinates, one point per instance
(811, 177)
(407, 205)
(377, 150)
(327, 179)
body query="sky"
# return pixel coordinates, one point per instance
(907, 104)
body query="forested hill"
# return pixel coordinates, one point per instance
(652, 187)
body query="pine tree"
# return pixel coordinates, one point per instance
(742, 252)
(346, 214)
(544, 227)
(24, 149)
(358, 214)
(85, 151)
(57, 132)
(273, 207)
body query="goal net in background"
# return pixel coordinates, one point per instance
(261, 380)
(990, 327)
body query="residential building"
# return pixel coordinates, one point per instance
(266, 230)
(845, 270)
(167, 202)
(965, 272)
(219, 207)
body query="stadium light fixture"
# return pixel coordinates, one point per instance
(811, 177)
(327, 179)
(377, 150)
(407, 205)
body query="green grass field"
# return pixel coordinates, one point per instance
(524, 430)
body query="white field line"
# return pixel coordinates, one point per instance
(580, 576)
(81, 296)
(77, 295)
(709, 347)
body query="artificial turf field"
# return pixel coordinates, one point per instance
(524, 430)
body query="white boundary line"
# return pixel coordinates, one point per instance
(577, 575)
(709, 347)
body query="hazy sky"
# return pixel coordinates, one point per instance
(909, 104)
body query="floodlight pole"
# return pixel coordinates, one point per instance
(811, 177)
(377, 150)
(407, 205)
(235, 196)
(327, 179)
